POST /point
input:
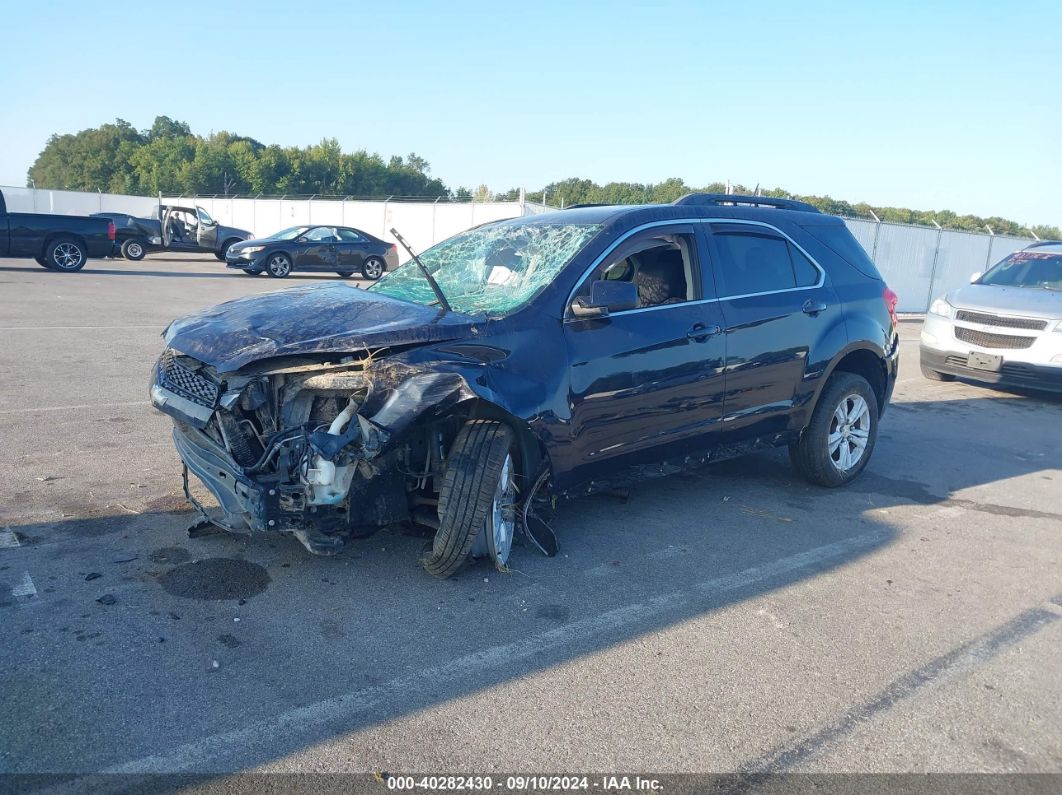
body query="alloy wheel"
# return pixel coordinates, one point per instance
(501, 522)
(849, 432)
(67, 256)
(279, 266)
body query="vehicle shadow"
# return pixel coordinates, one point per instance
(239, 651)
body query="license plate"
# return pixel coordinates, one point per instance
(984, 361)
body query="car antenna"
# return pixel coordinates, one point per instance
(431, 279)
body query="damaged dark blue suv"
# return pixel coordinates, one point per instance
(545, 356)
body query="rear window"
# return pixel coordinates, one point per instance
(840, 241)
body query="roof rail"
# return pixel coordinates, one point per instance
(589, 204)
(734, 198)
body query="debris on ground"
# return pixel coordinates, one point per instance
(108, 599)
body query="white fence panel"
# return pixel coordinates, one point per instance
(909, 257)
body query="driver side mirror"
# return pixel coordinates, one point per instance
(606, 297)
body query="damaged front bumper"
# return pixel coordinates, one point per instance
(291, 449)
(239, 497)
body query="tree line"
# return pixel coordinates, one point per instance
(169, 158)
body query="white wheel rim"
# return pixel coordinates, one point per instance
(279, 266)
(501, 523)
(134, 249)
(849, 432)
(67, 256)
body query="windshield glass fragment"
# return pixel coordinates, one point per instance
(492, 270)
(1027, 269)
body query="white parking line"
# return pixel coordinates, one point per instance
(341, 709)
(78, 328)
(8, 539)
(25, 588)
(76, 408)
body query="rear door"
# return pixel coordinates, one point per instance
(350, 251)
(776, 303)
(646, 384)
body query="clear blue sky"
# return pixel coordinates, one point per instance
(928, 105)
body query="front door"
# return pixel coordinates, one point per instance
(207, 231)
(646, 384)
(777, 305)
(317, 251)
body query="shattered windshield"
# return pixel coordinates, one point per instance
(492, 270)
(1027, 269)
(290, 233)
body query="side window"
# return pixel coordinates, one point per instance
(662, 267)
(322, 234)
(807, 275)
(349, 236)
(760, 262)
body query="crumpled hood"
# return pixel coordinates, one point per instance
(323, 318)
(1028, 301)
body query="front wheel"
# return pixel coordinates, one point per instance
(477, 495)
(278, 266)
(66, 254)
(133, 249)
(373, 268)
(838, 442)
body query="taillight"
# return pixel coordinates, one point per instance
(110, 231)
(891, 299)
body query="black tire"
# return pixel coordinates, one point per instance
(133, 249)
(220, 253)
(65, 254)
(473, 469)
(811, 454)
(278, 266)
(252, 271)
(373, 268)
(43, 263)
(345, 274)
(936, 375)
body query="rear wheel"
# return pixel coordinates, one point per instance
(839, 440)
(372, 268)
(278, 266)
(133, 249)
(477, 495)
(66, 254)
(936, 375)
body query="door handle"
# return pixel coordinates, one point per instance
(812, 308)
(701, 332)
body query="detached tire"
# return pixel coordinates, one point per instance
(936, 375)
(65, 254)
(43, 263)
(838, 442)
(473, 471)
(345, 274)
(133, 249)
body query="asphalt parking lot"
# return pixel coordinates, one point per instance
(734, 619)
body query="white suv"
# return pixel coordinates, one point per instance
(1003, 328)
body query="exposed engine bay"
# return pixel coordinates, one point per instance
(324, 450)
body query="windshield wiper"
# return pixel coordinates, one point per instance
(435, 288)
